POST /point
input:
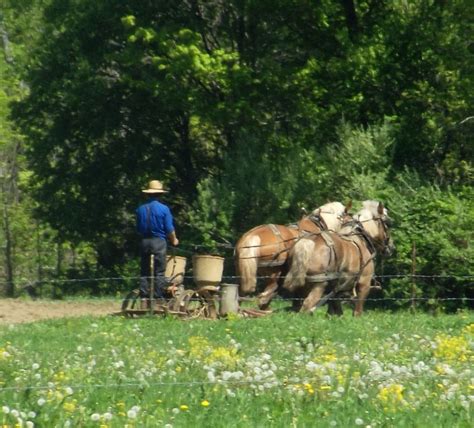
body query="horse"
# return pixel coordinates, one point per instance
(263, 250)
(340, 263)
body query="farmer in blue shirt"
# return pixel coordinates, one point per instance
(155, 225)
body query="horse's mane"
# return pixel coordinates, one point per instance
(330, 208)
(372, 206)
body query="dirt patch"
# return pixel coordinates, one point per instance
(14, 311)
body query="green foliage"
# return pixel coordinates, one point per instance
(360, 162)
(237, 107)
(438, 223)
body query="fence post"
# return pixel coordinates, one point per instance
(151, 283)
(413, 280)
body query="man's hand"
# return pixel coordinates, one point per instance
(173, 239)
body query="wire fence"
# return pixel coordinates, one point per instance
(194, 383)
(225, 278)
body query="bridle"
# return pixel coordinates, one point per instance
(381, 221)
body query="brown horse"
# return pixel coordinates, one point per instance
(340, 263)
(263, 250)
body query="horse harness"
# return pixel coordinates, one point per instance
(274, 262)
(317, 220)
(349, 238)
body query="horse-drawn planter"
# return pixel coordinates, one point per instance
(210, 298)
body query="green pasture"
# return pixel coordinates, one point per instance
(285, 370)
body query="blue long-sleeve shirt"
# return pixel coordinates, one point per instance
(154, 219)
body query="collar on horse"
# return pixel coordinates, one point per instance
(318, 221)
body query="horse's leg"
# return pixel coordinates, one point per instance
(335, 307)
(313, 297)
(363, 290)
(297, 301)
(334, 303)
(271, 285)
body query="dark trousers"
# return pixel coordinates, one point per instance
(155, 247)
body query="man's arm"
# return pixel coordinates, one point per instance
(173, 239)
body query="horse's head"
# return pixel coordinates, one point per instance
(376, 222)
(332, 214)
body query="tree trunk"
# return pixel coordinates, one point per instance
(351, 19)
(10, 284)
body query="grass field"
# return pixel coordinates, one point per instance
(284, 370)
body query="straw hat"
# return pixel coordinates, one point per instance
(155, 186)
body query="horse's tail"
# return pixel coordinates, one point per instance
(246, 263)
(300, 256)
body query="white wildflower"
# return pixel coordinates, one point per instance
(95, 417)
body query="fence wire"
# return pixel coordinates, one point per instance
(191, 383)
(24, 281)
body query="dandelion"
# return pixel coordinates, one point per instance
(175, 410)
(183, 407)
(35, 366)
(131, 414)
(391, 395)
(359, 421)
(6, 410)
(95, 417)
(107, 416)
(69, 406)
(29, 424)
(205, 403)
(41, 402)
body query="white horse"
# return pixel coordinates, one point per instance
(340, 263)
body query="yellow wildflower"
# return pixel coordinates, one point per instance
(391, 396)
(469, 329)
(183, 407)
(198, 346)
(453, 348)
(205, 403)
(227, 356)
(69, 406)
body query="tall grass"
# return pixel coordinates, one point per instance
(283, 370)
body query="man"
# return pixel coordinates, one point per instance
(155, 225)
